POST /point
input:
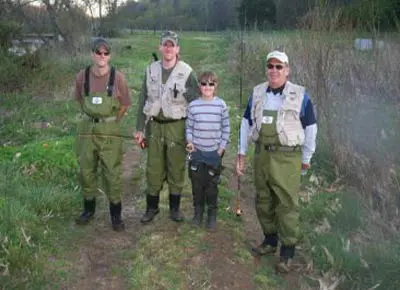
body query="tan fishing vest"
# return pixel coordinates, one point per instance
(288, 125)
(169, 96)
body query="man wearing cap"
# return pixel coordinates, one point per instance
(104, 98)
(168, 87)
(280, 120)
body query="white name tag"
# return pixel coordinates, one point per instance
(97, 100)
(267, 119)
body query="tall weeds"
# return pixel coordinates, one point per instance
(357, 99)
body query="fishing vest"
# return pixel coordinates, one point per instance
(288, 125)
(167, 97)
(100, 105)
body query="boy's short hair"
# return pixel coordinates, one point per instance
(208, 76)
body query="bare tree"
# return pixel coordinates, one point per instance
(51, 16)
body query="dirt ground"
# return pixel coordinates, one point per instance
(99, 262)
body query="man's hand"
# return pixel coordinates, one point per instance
(189, 147)
(305, 166)
(220, 151)
(121, 113)
(139, 137)
(240, 164)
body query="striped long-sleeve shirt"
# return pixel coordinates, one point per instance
(207, 124)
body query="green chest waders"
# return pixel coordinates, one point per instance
(98, 144)
(277, 171)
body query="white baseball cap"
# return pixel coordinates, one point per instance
(279, 55)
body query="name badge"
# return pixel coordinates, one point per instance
(97, 100)
(267, 119)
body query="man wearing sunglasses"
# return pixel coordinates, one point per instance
(168, 87)
(280, 120)
(104, 98)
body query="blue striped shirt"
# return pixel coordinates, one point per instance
(207, 124)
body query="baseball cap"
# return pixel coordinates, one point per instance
(279, 55)
(100, 41)
(169, 35)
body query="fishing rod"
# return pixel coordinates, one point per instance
(142, 145)
(238, 210)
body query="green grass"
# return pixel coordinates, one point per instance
(352, 246)
(39, 193)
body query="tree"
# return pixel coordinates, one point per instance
(257, 13)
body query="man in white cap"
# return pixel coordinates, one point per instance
(280, 120)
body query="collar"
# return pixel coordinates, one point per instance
(276, 91)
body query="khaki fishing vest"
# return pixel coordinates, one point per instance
(288, 125)
(167, 97)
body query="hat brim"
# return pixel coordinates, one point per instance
(164, 40)
(100, 44)
(282, 60)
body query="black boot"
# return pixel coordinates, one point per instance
(284, 265)
(89, 208)
(211, 218)
(174, 204)
(115, 213)
(152, 208)
(268, 246)
(198, 215)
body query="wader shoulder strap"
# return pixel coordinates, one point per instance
(111, 80)
(110, 85)
(86, 85)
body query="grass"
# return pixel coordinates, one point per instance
(39, 194)
(342, 238)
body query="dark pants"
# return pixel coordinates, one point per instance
(205, 174)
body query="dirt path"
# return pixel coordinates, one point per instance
(254, 235)
(102, 265)
(100, 262)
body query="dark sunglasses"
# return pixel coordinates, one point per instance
(102, 53)
(203, 84)
(277, 66)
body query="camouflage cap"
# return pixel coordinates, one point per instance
(169, 35)
(100, 41)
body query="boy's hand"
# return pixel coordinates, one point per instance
(189, 147)
(220, 151)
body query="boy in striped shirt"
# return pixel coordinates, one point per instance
(207, 136)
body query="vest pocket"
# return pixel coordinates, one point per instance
(291, 131)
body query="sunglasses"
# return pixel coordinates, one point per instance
(203, 84)
(277, 66)
(106, 53)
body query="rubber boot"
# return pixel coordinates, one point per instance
(268, 246)
(174, 204)
(115, 213)
(89, 208)
(284, 266)
(198, 215)
(211, 222)
(151, 209)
